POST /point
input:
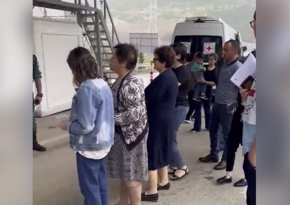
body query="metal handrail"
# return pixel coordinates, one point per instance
(98, 13)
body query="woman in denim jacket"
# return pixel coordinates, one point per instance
(127, 159)
(91, 126)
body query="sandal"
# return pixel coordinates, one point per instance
(172, 170)
(176, 178)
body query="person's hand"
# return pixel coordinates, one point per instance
(63, 125)
(201, 80)
(244, 94)
(37, 100)
(233, 110)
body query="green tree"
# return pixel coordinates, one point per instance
(141, 58)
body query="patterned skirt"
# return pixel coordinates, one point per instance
(128, 165)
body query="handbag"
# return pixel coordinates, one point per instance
(118, 128)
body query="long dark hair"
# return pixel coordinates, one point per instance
(83, 65)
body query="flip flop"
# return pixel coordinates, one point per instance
(176, 178)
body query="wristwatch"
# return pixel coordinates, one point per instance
(39, 95)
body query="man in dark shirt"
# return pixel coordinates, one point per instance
(225, 104)
(179, 169)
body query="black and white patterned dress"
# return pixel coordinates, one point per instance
(123, 164)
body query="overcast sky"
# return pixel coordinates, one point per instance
(51, 12)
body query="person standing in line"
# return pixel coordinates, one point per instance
(178, 169)
(249, 134)
(128, 160)
(160, 98)
(190, 61)
(234, 140)
(91, 126)
(225, 104)
(36, 101)
(210, 79)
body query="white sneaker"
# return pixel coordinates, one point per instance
(188, 121)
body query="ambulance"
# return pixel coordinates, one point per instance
(205, 34)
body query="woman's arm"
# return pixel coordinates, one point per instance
(210, 83)
(86, 103)
(203, 81)
(209, 79)
(132, 94)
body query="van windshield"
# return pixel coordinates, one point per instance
(197, 43)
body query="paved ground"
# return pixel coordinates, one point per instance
(55, 181)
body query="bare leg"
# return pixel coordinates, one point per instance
(152, 183)
(124, 197)
(134, 191)
(229, 175)
(163, 176)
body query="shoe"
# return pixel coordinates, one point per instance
(38, 147)
(196, 99)
(188, 121)
(193, 131)
(220, 166)
(164, 187)
(209, 159)
(150, 198)
(224, 180)
(203, 97)
(241, 183)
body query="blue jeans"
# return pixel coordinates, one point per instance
(176, 159)
(93, 180)
(199, 90)
(249, 133)
(221, 117)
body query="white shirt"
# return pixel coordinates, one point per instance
(95, 154)
(249, 114)
(100, 154)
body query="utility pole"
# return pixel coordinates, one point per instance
(152, 16)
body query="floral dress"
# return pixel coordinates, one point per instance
(123, 164)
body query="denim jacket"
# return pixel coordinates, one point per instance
(91, 126)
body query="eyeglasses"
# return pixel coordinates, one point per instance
(252, 23)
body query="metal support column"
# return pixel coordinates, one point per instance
(99, 47)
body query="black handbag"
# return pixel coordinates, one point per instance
(118, 128)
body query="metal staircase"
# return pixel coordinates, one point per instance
(94, 22)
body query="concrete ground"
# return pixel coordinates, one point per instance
(55, 180)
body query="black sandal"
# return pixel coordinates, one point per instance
(176, 178)
(172, 170)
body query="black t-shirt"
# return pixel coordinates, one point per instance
(210, 76)
(183, 76)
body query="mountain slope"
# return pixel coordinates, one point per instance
(237, 13)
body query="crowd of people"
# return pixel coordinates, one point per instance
(129, 132)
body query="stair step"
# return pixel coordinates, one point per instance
(89, 23)
(89, 15)
(93, 32)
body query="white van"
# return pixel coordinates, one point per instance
(205, 34)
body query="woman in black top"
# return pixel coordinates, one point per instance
(210, 79)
